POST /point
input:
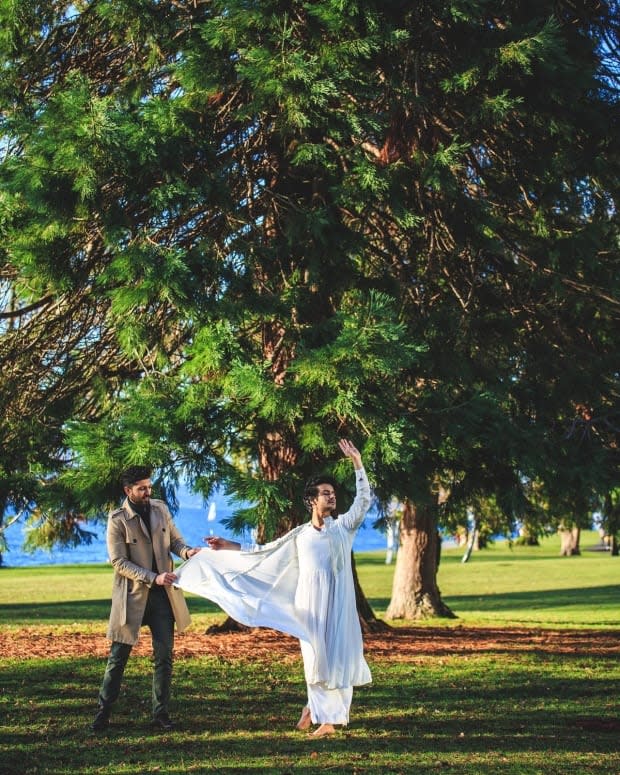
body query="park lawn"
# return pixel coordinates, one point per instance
(503, 586)
(497, 710)
(495, 713)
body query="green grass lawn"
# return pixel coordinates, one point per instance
(497, 711)
(499, 586)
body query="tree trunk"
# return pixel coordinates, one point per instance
(472, 542)
(278, 453)
(569, 541)
(368, 620)
(415, 594)
(527, 537)
(227, 626)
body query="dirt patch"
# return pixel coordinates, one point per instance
(405, 644)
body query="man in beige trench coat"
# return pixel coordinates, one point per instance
(140, 537)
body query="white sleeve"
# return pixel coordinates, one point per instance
(354, 517)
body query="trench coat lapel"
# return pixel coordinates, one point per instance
(131, 514)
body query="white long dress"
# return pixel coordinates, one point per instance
(316, 598)
(301, 584)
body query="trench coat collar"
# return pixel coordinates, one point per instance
(131, 514)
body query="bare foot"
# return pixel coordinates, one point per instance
(323, 730)
(305, 720)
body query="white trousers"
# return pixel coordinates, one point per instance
(329, 706)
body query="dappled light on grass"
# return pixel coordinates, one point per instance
(492, 712)
(499, 699)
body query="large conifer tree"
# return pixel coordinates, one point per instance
(270, 224)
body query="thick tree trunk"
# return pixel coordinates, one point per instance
(415, 594)
(278, 452)
(569, 541)
(611, 511)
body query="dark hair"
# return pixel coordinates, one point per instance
(311, 489)
(135, 474)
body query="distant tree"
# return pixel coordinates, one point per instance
(610, 519)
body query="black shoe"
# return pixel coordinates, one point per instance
(101, 720)
(163, 721)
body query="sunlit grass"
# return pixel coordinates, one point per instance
(495, 712)
(500, 586)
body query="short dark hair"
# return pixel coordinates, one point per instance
(311, 488)
(135, 474)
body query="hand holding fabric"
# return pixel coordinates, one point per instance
(215, 542)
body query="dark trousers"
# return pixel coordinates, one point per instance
(159, 618)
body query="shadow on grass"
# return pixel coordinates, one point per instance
(241, 718)
(77, 610)
(512, 602)
(73, 610)
(543, 598)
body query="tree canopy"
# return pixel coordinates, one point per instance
(234, 231)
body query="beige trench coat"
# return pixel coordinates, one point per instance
(130, 551)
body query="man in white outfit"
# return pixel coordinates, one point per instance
(301, 584)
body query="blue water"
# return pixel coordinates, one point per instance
(191, 519)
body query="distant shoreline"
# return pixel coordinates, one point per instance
(191, 521)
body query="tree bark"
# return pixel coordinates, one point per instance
(368, 620)
(611, 511)
(278, 452)
(227, 626)
(415, 594)
(471, 543)
(569, 541)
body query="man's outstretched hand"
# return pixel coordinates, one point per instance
(350, 450)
